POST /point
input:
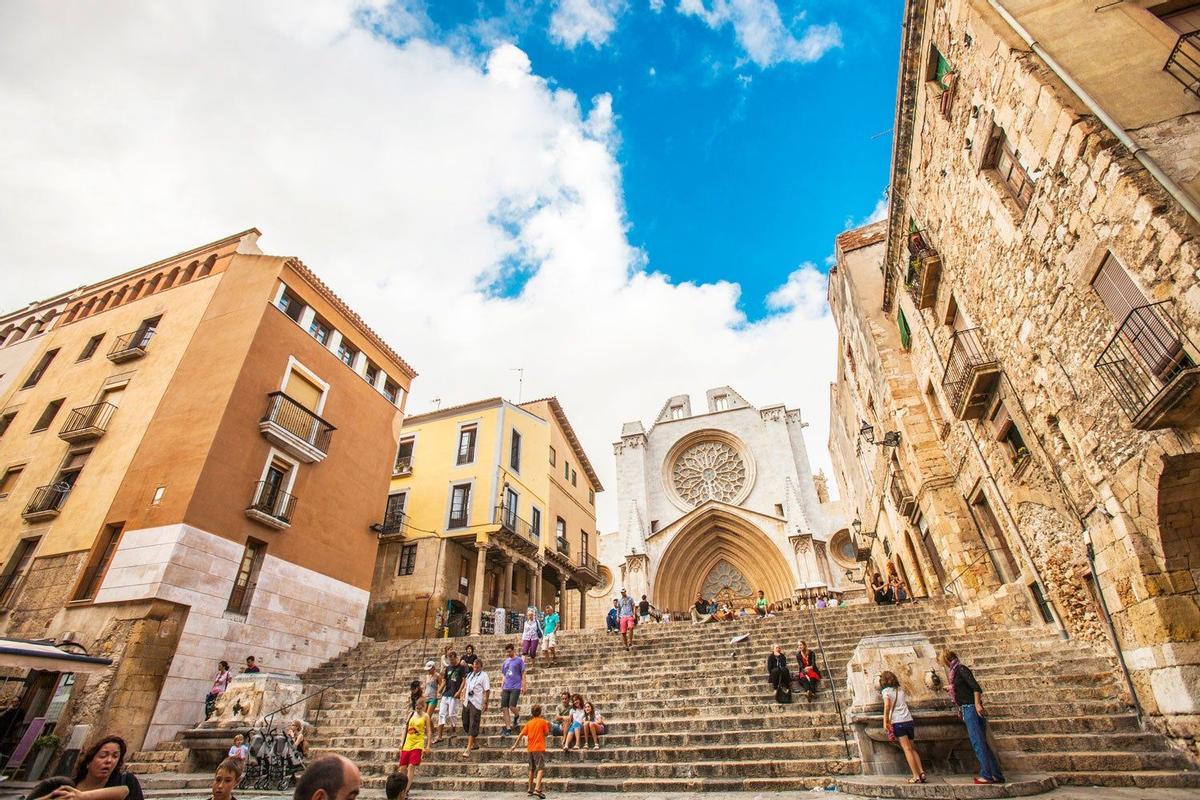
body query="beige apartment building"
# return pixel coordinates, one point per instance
(191, 462)
(1026, 322)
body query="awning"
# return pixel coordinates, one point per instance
(23, 654)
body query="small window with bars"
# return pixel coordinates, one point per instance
(408, 560)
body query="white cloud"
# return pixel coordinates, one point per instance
(803, 292)
(406, 176)
(879, 212)
(760, 30)
(575, 21)
(657, 5)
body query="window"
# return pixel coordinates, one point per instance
(1181, 20)
(591, 496)
(931, 548)
(40, 370)
(404, 454)
(247, 577)
(460, 505)
(905, 332)
(583, 543)
(290, 305)
(71, 468)
(951, 317)
(553, 457)
(6, 420)
(560, 530)
(408, 560)
(1005, 430)
(89, 349)
(676, 412)
(721, 402)
(510, 508)
(102, 555)
(347, 353)
(16, 569)
(9, 480)
(1043, 605)
(535, 522)
(391, 390)
(145, 332)
(1005, 162)
(779, 509)
(935, 410)
(394, 510)
(371, 373)
(320, 330)
(654, 526)
(514, 456)
(466, 444)
(938, 68)
(566, 470)
(993, 538)
(48, 415)
(574, 475)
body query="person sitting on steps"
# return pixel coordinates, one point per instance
(562, 717)
(779, 675)
(612, 622)
(575, 727)
(883, 593)
(593, 726)
(700, 611)
(807, 674)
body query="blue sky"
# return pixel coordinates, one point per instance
(732, 170)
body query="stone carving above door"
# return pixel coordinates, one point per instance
(727, 581)
(709, 471)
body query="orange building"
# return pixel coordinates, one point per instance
(191, 464)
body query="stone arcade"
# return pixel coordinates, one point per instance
(724, 503)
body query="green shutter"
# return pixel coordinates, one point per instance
(943, 69)
(905, 333)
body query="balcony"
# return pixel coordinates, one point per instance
(129, 346)
(1150, 366)
(395, 523)
(971, 375)
(271, 506)
(87, 423)
(564, 546)
(1184, 62)
(918, 245)
(589, 565)
(518, 533)
(902, 497)
(295, 429)
(921, 280)
(46, 502)
(402, 467)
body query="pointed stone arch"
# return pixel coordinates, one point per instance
(717, 535)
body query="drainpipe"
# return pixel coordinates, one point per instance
(1134, 148)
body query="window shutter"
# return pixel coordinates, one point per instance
(1117, 289)
(981, 140)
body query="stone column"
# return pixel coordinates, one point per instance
(506, 596)
(481, 551)
(535, 596)
(582, 608)
(562, 596)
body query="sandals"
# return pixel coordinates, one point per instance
(920, 779)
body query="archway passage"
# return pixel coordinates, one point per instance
(718, 546)
(1179, 521)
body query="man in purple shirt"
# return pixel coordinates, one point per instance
(513, 671)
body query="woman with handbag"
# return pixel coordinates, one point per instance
(899, 725)
(967, 696)
(779, 675)
(807, 674)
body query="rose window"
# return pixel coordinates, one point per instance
(709, 471)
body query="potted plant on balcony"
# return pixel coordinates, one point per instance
(44, 748)
(1020, 460)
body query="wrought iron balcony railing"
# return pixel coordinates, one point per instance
(506, 517)
(922, 278)
(918, 245)
(271, 505)
(394, 522)
(129, 346)
(1184, 62)
(295, 428)
(589, 563)
(46, 501)
(564, 546)
(87, 423)
(1150, 366)
(902, 497)
(971, 375)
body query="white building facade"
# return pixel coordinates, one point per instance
(723, 503)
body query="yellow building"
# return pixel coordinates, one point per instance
(492, 505)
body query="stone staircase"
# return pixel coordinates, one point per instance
(689, 711)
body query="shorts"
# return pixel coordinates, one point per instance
(556, 729)
(412, 757)
(574, 727)
(431, 701)
(603, 729)
(472, 719)
(529, 647)
(626, 624)
(447, 709)
(902, 729)
(509, 698)
(550, 639)
(537, 761)
(643, 618)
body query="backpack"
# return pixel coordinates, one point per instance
(783, 695)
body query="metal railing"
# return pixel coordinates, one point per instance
(506, 517)
(918, 247)
(564, 546)
(128, 344)
(269, 499)
(47, 499)
(1183, 64)
(1148, 350)
(394, 522)
(589, 562)
(87, 420)
(967, 355)
(298, 421)
(902, 496)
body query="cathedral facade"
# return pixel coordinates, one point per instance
(723, 503)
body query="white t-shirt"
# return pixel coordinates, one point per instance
(477, 684)
(577, 715)
(900, 712)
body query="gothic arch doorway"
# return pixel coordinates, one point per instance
(720, 554)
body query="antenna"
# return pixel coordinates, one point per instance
(437, 400)
(520, 382)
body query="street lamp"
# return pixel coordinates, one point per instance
(890, 438)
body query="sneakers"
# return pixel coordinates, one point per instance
(982, 781)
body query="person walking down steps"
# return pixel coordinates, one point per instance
(534, 733)
(626, 612)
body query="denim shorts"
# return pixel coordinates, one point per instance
(902, 729)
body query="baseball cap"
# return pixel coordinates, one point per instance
(622, 590)
(429, 665)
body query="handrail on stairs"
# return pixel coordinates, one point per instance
(958, 595)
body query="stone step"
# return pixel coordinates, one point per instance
(1010, 744)
(950, 787)
(1096, 762)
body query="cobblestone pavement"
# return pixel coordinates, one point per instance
(1068, 793)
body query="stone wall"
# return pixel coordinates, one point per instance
(46, 590)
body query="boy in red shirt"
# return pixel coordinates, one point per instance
(534, 733)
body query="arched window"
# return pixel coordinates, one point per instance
(137, 290)
(104, 304)
(71, 312)
(152, 287)
(171, 276)
(191, 271)
(208, 265)
(120, 298)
